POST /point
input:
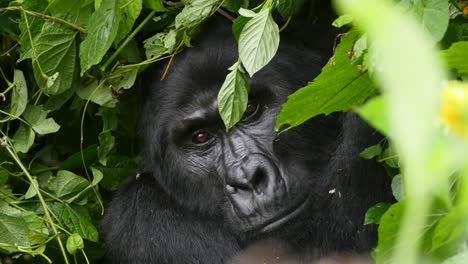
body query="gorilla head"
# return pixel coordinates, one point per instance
(207, 193)
(250, 176)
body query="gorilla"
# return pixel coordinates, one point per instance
(205, 195)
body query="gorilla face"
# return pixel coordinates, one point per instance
(249, 176)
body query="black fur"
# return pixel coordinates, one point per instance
(180, 210)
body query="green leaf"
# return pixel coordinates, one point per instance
(374, 214)
(77, 219)
(102, 30)
(55, 48)
(450, 231)
(388, 228)
(74, 242)
(19, 97)
(234, 5)
(31, 192)
(117, 170)
(97, 176)
(194, 12)
(239, 25)
(130, 10)
(339, 87)
(374, 112)
(67, 183)
(23, 138)
(75, 161)
(37, 118)
(156, 5)
(371, 151)
(288, 8)
(38, 231)
(154, 46)
(233, 96)
(30, 25)
(457, 56)
(460, 258)
(102, 96)
(121, 79)
(13, 231)
(433, 14)
(106, 145)
(398, 187)
(343, 20)
(72, 11)
(258, 41)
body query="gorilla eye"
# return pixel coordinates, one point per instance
(251, 109)
(200, 137)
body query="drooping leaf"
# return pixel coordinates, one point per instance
(258, 41)
(456, 56)
(37, 118)
(232, 97)
(56, 57)
(339, 87)
(106, 145)
(19, 97)
(102, 29)
(23, 138)
(194, 12)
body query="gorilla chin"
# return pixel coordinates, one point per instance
(205, 195)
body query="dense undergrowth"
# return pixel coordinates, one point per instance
(69, 110)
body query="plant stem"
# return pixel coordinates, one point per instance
(127, 40)
(44, 16)
(39, 195)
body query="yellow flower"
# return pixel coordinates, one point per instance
(454, 107)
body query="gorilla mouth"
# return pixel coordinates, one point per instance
(284, 217)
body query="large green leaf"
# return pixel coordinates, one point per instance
(102, 29)
(433, 14)
(457, 56)
(233, 96)
(194, 12)
(13, 231)
(130, 9)
(339, 87)
(55, 49)
(72, 11)
(30, 26)
(258, 41)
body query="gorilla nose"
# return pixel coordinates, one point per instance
(254, 185)
(257, 182)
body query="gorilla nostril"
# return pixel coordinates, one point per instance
(259, 180)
